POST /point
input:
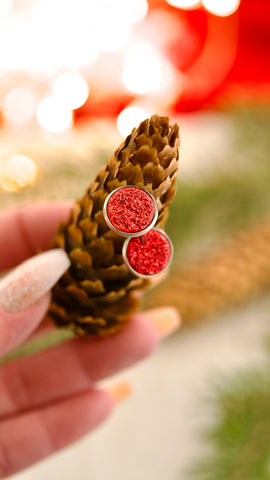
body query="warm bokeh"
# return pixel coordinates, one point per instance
(75, 77)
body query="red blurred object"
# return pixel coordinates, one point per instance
(233, 63)
(220, 60)
(253, 47)
(103, 107)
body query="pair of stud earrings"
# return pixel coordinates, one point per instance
(132, 212)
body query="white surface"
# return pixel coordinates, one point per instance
(155, 434)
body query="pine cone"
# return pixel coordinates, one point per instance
(96, 295)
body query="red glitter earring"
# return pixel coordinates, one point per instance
(149, 254)
(130, 211)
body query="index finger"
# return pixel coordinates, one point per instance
(25, 230)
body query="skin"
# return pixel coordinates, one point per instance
(35, 416)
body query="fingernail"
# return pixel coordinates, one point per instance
(32, 279)
(119, 391)
(165, 319)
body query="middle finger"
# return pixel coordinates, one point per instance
(74, 365)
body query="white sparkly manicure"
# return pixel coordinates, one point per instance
(28, 282)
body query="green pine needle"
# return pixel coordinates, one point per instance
(240, 437)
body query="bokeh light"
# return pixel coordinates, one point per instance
(17, 172)
(185, 4)
(5, 7)
(221, 8)
(71, 39)
(19, 106)
(144, 69)
(115, 19)
(128, 51)
(129, 117)
(71, 89)
(80, 50)
(134, 10)
(114, 35)
(87, 27)
(53, 116)
(13, 44)
(121, 11)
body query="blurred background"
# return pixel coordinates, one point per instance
(75, 77)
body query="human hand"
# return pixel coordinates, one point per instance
(50, 399)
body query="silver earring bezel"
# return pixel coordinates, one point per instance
(140, 275)
(133, 234)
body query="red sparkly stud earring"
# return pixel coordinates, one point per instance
(149, 254)
(130, 211)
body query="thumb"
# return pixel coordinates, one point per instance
(24, 296)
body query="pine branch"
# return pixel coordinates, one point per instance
(240, 436)
(234, 272)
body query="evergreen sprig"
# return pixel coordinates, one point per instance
(239, 439)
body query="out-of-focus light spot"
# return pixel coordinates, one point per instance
(113, 22)
(185, 4)
(21, 169)
(144, 69)
(5, 7)
(12, 51)
(130, 117)
(135, 10)
(121, 11)
(113, 36)
(53, 116)
(51, 34)
(19, 106)
(71, 89)
(17, 172)
(71, 13)
(73, 44)
(222, 8)
(45, 57)
(81, 49)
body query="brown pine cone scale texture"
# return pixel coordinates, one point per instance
(96, 295)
